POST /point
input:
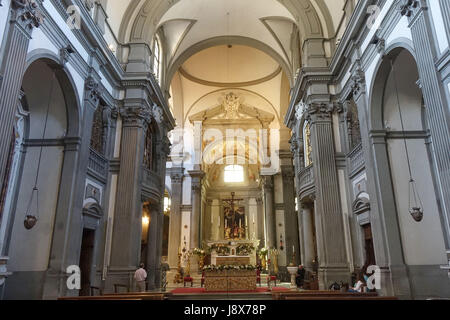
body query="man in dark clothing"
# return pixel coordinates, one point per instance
(300, 278)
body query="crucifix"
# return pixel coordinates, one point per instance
(231, 202)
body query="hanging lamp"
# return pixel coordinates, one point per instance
(32, 212)
(415, 205)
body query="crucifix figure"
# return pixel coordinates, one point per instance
(234, 220)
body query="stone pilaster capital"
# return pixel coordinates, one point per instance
(157, 113)
(358, 82)
(267, 181)
(319, 111)
(27, 14)
(164, 146)
(135, 115)
(92, 91)
(411, 8)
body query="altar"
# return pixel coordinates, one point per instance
(230, 280)
(237, 252)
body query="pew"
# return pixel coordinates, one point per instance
(328, 295)
(120, 296)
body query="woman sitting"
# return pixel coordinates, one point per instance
(359, 285)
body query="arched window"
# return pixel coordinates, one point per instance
(234, 174)
(157, 59)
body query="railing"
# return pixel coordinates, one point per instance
(98, 164)
(151, 179)
(306, 178)
(356, 159)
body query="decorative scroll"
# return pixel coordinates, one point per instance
(308, 145)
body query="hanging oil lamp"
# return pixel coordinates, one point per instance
(414, 203)
(32, 212)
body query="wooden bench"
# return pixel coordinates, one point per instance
(328, 295)
(124, 296)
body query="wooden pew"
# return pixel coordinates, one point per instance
(121, 296)
(328, 295)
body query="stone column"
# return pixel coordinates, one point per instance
(196, 200)
(290, 218)
(445, 8)
(153, 243)
(25, 16)
(252, 219)
(216, 220)
(329, 222)
(269, 211)
(125, 248)
(260, 222)
(437, 111)
(176, 177)
(308, 237)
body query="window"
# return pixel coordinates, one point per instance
(234, 174)
(157, 60)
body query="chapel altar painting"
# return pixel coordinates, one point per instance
(235, 222)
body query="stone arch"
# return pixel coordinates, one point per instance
(391, 147)
(148, 13)
(217, 41)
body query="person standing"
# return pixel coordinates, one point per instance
(140, 275)
(300, 278)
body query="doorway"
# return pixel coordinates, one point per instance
(86, 256)
(368, 245)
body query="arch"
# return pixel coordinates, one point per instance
(148, 13)
(69, 89)
(380, 76)
(223, 40)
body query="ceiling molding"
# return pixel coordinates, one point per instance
(192, 22)
(265, 20)
(192, 78)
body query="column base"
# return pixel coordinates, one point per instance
(329, 275)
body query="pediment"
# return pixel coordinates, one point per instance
(232, 110)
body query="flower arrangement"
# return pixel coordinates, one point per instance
(221, 249)
(263, 252)
(245, 249)
(229, 267)
(198, 252)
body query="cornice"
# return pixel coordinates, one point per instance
(192, 78)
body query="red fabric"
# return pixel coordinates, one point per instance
(203, 290)
(188, 279)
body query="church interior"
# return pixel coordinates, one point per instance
(277, 149)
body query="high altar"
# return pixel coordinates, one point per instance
(232, 253)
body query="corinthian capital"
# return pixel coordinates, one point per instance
(319, 110)
(358, 82)
(135, 115)
(93, 91)
(27, 14)
(410, 7)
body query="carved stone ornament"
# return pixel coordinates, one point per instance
(135, 114)
(300, 110)
(28, 14)
(157, 113)
(320, 110)
(358, 82)
(408, 6)
(231, 105)
(93, 90)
